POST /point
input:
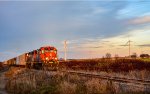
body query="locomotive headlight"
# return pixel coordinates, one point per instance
(46, 58)
(55, 58)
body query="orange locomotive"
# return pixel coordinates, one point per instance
(45, 57)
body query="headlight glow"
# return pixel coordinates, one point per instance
(46, 58)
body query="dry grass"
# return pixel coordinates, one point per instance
(136, 74)
(117, 65)
(43, 82)
(13, 71)
(95, 86)
(68, 87)
(28, 81)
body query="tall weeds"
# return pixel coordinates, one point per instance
(43, 82)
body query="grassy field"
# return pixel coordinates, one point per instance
(43, 82)
(115, 65)
(29, 81)
(146, 59)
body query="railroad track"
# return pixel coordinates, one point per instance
(111, 78)
(4, 69)
(105, 77)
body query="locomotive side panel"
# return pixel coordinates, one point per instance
(13, 61)
(5, 62)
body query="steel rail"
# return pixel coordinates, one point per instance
(4, 69)
(105, 77)
(115, 79)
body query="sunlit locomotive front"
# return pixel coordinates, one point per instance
(45, 57)
(48, 54)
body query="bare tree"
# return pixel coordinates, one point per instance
(144, 55)
(108, 55)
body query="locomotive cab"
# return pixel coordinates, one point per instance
(48, 56)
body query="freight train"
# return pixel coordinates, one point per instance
(44, 57)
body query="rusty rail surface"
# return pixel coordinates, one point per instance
(4, 69)
(115, 79)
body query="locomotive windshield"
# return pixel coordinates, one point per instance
(49, 50)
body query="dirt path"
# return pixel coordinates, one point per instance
(3, 81)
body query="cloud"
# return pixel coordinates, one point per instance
(140, 20)
(83, 47)
(144, 45)
(122, 45)
(99, 10)
(97, 47)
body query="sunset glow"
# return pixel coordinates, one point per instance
(91, 29)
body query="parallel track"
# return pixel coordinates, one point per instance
(4, 69)
(115, 79)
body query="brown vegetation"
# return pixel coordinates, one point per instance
(107, 65)
(12, 71)
(44, 82)
(28, 81)
(1, 65)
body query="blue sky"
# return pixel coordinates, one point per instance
(91, 28)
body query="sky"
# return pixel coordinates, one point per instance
(91, 28)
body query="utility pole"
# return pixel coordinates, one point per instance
(129, 44)
(129, 48)
(65, 49)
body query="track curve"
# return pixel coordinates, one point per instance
(112, 78)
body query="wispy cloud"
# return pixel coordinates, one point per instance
(99, 10)
(122, 45)
(144, 45)
(140, 20)
(85, 47)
